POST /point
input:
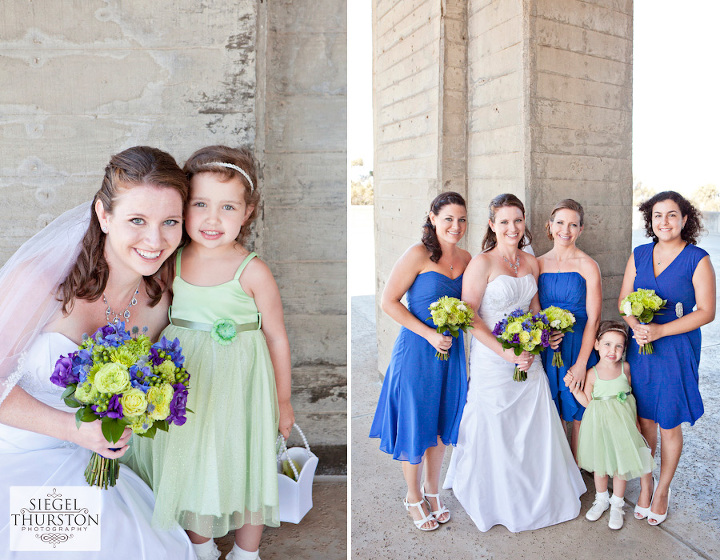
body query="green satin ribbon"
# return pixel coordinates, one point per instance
(208, 327)
(615, 396)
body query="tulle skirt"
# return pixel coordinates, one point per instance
(218, 471)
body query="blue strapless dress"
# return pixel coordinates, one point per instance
(422, 396)
(665, 383)
(566, 290)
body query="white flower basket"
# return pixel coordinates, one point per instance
(296, 495)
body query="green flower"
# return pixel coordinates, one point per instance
(112, 378)
(123, 355)
(223, 331)
(86, 393)
(166, 369)
(133, 402)
(140, 424)
(622, 396)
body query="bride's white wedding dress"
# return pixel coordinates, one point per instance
(30, 459)
(512, 465)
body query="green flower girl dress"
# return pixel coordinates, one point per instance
(218, 472)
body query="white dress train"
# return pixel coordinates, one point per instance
(30, 459)
(512, 465)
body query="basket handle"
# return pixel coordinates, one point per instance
(281, 443)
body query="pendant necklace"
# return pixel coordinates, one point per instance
(514, 266)
(125, 315)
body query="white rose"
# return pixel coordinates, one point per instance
(627, 308)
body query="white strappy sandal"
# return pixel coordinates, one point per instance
(425, 518)
(442, 510)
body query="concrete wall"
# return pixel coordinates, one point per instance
(87, 79)
(548, 114)
(581, 126)
(301, 140)
(419, 125)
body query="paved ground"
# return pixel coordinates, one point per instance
(380, 527)
(322, 534)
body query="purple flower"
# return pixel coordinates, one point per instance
(114, 409)
(545, 338)
(517, 313)
(177, 405)
(172, 349)
(63, 374)
(155, 358)
(516, 339)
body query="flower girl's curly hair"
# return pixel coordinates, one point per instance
(224, 162)
(693, 226)
(608, 326)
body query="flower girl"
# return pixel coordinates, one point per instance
(220, 473)
(610, 443)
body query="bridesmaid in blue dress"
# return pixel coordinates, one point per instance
(571, 280)
(422, 397)
(665, 383)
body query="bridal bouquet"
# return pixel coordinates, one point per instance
(523, 331)
(451, 315)
(560, 320)
(123, 380)
(643, 304)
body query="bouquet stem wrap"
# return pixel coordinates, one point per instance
(101, 471)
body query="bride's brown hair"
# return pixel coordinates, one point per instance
(141, 165)
(500, 201)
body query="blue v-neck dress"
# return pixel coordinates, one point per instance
(665, 383)
(422, 396)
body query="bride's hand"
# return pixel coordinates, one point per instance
(523, 361)
(440, 342)
(89, 435)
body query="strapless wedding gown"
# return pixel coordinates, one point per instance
(30, 459)
(512, 465)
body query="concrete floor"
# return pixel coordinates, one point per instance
(321, 534)
(381, 529)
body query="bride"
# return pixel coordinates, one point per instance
(512, 465)
(88, 267)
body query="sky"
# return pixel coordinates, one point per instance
(676, 93)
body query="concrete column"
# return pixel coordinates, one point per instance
(301, 146)
(547, 115)
(419, 105)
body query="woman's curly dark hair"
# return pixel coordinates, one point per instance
(693, 226)
(429, 237)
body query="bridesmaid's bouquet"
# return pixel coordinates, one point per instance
(123, 380)
(451, 315)
(523, 331)
(560, 320)
(643, 304)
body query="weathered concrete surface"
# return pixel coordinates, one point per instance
(88, 79)
(531, 97)
(692, 530)
(321, 534)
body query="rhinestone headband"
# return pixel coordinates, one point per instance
(616, 329)
(236, 168)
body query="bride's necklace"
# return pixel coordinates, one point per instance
(514, 266)
(125, 315)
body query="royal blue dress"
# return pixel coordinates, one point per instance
(566, 290)
(422, 396)
(665, 383)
